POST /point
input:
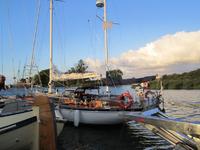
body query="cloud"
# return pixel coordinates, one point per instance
(170, 53)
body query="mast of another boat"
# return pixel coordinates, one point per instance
(51, 48)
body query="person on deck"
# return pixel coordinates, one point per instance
(2, 82)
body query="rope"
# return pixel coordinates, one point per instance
(2, 52)
(34, 39)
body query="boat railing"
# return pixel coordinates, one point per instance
(16, 106)
(183, 135)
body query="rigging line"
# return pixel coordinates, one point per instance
(14, 78)
(23, 73)
(18, 72)
(42, 37)
(109, 75)
(60, 39)
(34, 38)
(10, 34)
(1, 48)
(94, 38)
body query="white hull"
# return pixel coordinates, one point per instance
(96, 117)
(19, 131)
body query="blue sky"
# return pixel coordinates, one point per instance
(78, 34)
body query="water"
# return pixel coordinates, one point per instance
(184, 104)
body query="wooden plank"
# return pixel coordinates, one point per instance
(47, 126)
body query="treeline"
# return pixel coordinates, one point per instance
(113, 77)
(187, 80)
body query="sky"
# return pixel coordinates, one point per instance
(151, 37)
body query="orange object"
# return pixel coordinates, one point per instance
(98, 104)
(123, 97)
(69, 101)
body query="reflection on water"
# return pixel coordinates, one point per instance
(183, 104)
(120, 137)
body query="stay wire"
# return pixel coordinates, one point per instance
(32, 63)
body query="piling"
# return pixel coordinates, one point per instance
(47, 126)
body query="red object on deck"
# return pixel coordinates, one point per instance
(141, 120)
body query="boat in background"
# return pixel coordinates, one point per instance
(18, 125)
(28, 123)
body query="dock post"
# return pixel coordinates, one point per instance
(47, 126)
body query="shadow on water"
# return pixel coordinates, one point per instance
(118, 137)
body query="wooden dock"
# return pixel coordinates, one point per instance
(47, 125)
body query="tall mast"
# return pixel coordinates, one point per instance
(51, 48)
(105, 35)
(106, 43)
(100, 4)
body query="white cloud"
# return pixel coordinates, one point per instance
(170, 53)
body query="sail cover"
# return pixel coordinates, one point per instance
(76, 76)
(60, 76)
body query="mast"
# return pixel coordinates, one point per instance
(105, 35)
(102, 3)
(51, 48)
(106, 43)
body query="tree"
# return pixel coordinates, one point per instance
(114, 76)
(44, 76)
(81, 67)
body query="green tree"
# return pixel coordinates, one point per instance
(114, 76)
(81, 67)
(44, 76)
(187, 80)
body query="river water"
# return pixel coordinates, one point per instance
(183, 104)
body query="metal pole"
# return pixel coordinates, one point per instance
(51, 47)
(105, 34)
(106, 43)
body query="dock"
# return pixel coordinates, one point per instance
(47, 125)
(183, 135)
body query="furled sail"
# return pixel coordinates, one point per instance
(76, 76)
(58, 76)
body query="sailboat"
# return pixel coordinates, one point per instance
(18, 123)
(28, 123)
(87, 105)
